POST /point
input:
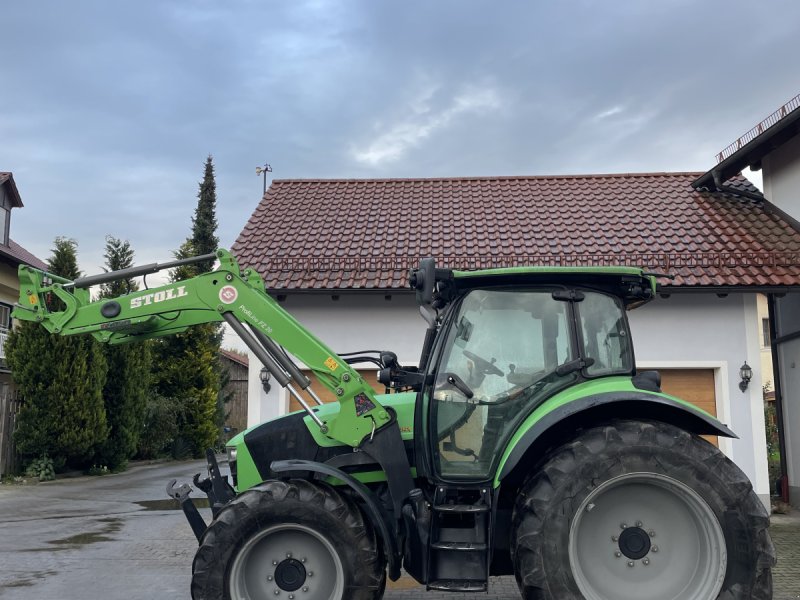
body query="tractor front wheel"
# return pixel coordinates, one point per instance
(295, 539)
(636, 510)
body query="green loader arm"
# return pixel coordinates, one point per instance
(227, 294)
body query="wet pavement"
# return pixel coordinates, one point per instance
(117, 537)
(97, 537)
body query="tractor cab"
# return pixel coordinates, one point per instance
(505, 341)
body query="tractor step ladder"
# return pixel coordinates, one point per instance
(460, 530)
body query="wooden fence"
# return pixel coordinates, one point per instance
(9, 408)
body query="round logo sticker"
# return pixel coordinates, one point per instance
(228, 294)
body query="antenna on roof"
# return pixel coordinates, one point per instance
(267, 168)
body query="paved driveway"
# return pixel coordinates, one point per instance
(108, 538)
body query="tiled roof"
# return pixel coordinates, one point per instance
(19, 255)
(366, 234)
(242, 359)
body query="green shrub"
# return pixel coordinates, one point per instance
(61, 382)
(161, 425)
(181, 448)
(42, 468)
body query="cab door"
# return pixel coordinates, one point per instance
(498, 355)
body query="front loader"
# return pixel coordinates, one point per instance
(524, 442)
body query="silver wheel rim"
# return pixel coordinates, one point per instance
(293, 560)
(674, 548)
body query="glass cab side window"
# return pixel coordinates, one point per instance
(502, 352)
(605, 334)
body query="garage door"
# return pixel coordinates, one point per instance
(369, 375)
(696, 386)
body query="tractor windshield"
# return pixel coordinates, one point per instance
(508, 350)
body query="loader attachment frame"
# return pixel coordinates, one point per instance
(237, 297)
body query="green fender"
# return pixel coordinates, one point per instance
(611, 397)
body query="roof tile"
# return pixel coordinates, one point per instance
(18, 254)
(365, 234)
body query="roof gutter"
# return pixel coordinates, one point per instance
(721, 187)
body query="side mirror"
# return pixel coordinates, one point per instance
(423, 280)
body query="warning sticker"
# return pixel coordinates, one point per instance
(331, 363)
(363, 404)
(33, 299)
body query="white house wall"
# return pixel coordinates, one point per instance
(781, 169)
(352, 323)
(684, 331)
(706, 331)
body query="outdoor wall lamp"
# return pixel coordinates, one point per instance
(264, 377)
(745, 374)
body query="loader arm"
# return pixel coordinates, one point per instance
(227, 294)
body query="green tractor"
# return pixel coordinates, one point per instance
(525, 442)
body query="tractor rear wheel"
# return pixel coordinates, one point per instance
(637, 509)
(288, 539)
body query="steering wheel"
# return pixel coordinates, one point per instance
(483, 365)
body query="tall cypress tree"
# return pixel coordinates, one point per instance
(188, 363)
(204, 238)
(128, 383)
(61, 382)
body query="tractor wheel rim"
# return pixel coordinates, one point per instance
(646, 535)
(287, 561)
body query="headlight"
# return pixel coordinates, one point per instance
(232, 465)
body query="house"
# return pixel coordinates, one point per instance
(11, 256)
(339, 259)
(773, 145)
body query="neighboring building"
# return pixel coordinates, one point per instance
(236, 367)
(773, 145)
(12, 255)
(765, 337)
(340, 256)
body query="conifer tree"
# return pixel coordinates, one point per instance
(128, 383)
(188, 362)
(61, 383)
(204, 238)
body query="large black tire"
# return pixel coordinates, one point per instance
(236, 551)
(676, 490)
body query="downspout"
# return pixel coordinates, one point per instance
(776, 375)
(721, 187)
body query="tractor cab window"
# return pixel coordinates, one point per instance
(605, 335)
(502, 354)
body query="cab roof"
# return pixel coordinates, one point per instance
(633, 285)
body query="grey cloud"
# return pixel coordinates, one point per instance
(107, 110)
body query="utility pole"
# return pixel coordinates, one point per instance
(267, 168)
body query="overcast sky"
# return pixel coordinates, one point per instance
(109, 109)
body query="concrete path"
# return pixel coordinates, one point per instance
(111, 538)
